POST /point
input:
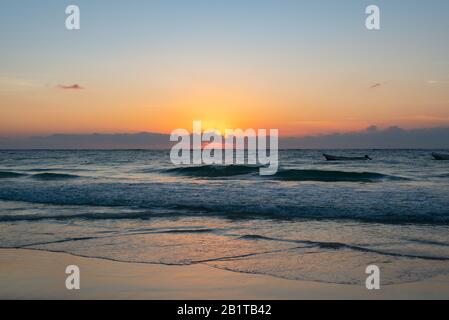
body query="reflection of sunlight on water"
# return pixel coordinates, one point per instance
(295, 249)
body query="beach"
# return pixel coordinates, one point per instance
(316, 221)
(224, 150)
(34, 274)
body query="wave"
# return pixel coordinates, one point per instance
(259, 199)
(38, 176)
(56, 169)
(430, 242)
(214, 171)
(85, 216)
(298, 244)
(339, 246)
(332, 176)
(243, 213)
(54, 176)
(113, 234)
(200, 230)
(10, 174)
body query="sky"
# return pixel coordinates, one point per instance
(303, 67)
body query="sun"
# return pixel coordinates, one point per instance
(218, 126)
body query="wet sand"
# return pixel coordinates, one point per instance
(32, 274)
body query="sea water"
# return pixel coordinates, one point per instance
(314, 220)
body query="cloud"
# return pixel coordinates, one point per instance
(144, 140)
(373, 137)
(13, 83)
(372, 128)
(70, 87)
(377, 85)
(439, 81)
(429, 118)
(370, 138)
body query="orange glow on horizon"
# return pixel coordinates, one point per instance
(219, 105)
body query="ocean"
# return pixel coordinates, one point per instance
(314, 220)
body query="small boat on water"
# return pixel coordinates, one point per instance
(440, 156)
(339, 158)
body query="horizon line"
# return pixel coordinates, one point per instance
(368, 129)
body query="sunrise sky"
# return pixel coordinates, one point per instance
(304, 67)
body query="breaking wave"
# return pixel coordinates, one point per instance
(10, 174)
(214, 171)
(332, 176)
(54, 176)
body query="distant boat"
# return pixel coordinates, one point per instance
(440, 156)
(338, 158)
